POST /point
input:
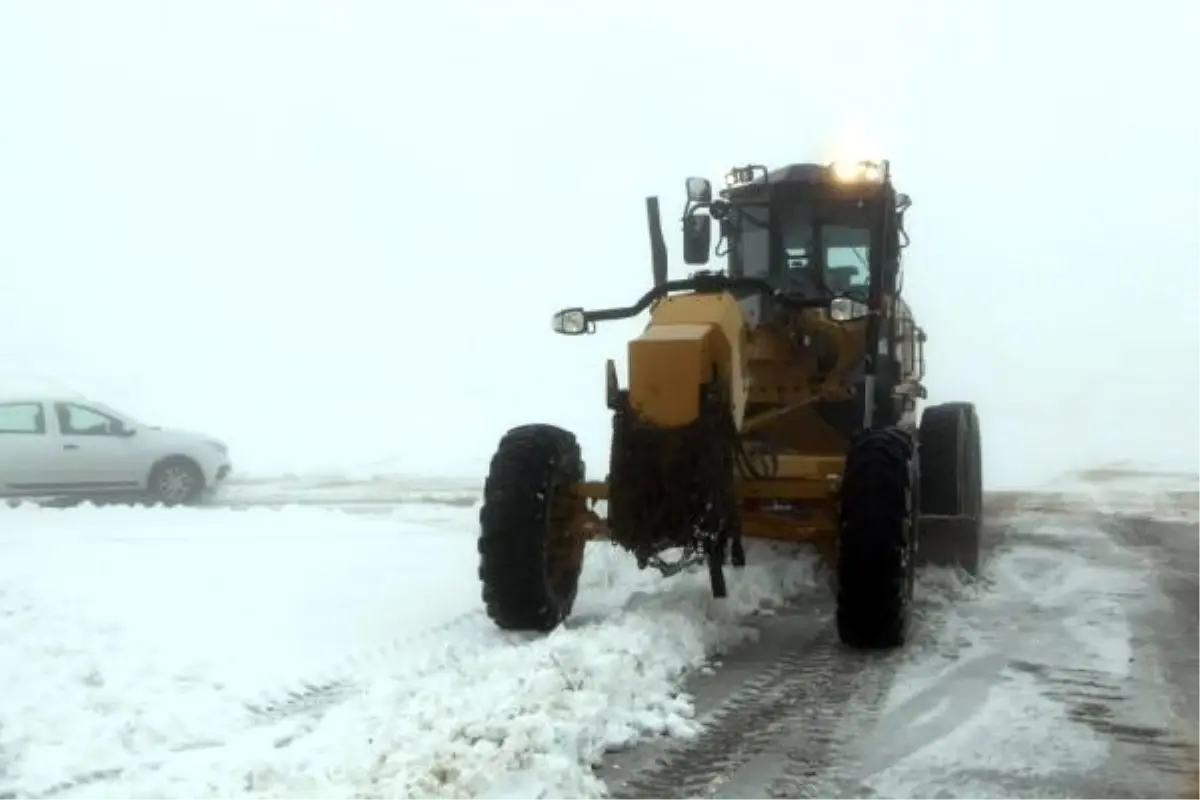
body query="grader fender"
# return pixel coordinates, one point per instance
(689, 340)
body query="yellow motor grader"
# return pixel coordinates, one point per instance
(775, 399)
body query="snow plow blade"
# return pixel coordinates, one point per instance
(950, 541)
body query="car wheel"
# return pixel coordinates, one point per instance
(176, 482)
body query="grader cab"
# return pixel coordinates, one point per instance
(776, 399)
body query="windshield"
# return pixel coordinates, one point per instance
(845, 251)
(847, 258)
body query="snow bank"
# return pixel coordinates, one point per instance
(131, 634)
(303, 652)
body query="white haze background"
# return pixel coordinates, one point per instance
(334, 233)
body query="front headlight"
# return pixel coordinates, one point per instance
(854, 171)
(739, 176)
(570, 322)
(220, 447)
(843, 309)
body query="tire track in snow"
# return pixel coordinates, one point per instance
(1095, 700)
(783, 712)
(810, 720)
(1050, 634)
(796, 678)
(315, 698)
(1166, 642)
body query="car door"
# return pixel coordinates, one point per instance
(29, 455)
(97, 455)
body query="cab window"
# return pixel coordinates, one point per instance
(77, 420)
(753, 243)
(22, 418)
(847, 257)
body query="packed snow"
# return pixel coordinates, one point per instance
(979, 704)
(313, 652)
(960, 705)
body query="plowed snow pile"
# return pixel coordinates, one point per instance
(308, 652)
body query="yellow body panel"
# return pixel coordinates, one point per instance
(811, 481)
(776, 489)
(665, 363)
(687, 337)
(775, 376)
(793, 477)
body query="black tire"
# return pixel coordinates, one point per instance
(176, 481)
(952, 484)
(876, 533)
(529, 562)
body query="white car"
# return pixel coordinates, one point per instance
(73, 447)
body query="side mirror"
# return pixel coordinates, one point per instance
(571, 322)
(697, 238)
(117, 428)
(699, 190)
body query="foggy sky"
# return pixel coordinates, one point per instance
(334, 233)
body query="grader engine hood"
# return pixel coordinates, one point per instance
(691, 342)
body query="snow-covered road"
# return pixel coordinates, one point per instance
(308, 651)
(1069, 670)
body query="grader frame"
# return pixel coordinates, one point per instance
(765, 402)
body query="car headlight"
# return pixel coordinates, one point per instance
(220, 447)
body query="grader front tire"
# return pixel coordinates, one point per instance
(875, 538)
(529, 559)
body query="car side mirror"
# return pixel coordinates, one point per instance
(117, 428)
(697, 238)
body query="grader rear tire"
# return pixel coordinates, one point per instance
(875, 537)
(951, 486)
(529, 561)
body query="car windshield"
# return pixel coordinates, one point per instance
(845, 256)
